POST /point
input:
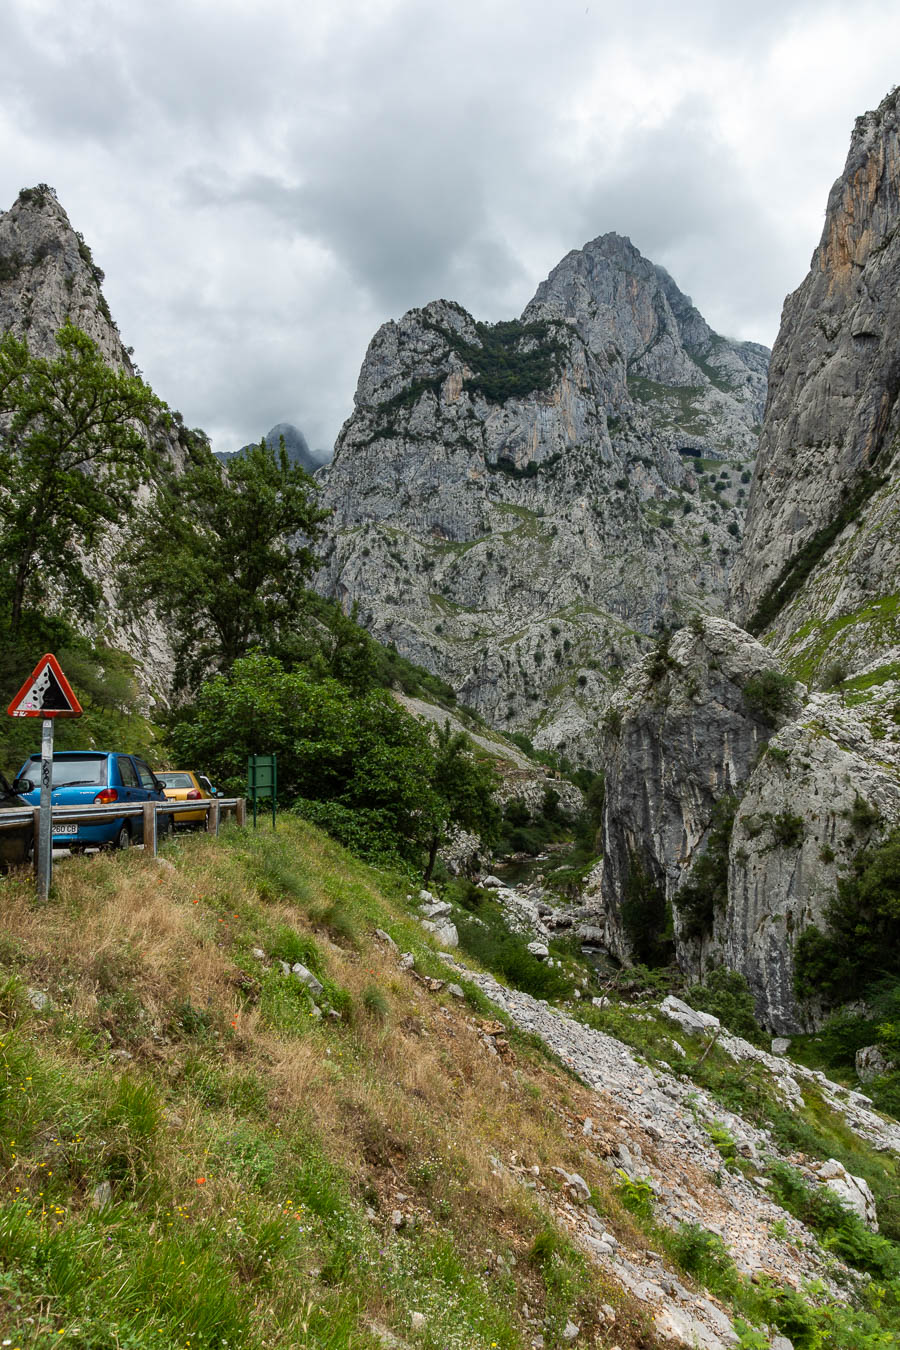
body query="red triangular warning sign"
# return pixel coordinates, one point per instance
(46, 693)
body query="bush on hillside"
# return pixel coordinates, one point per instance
(861, 944)
(357, 764)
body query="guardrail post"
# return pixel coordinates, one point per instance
(150, 828)
(240, 811)
(212, 817)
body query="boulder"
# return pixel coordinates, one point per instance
(689, 1019)
(872, 1062)
(445, 933)
(853, 1191)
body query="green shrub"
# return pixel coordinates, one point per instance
(726, 995)
(861, 944)
(768, 694)
(706, 889)
(646, 917)
(637, 1195)
(375, 1003)
(506, 955)
(704, 1256)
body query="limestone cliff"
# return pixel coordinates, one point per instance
(518, 506)
(821, 553)
(714, 758)
(48, 277)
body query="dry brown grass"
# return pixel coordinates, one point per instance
(413, 1105)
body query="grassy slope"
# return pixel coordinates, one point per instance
(254, 1153)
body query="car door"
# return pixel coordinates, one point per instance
(148, 790)
(131, 785)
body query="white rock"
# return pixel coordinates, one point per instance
(570, 1331)
(456, 991)
(781, 1045)
(438, 909)
(853, 1191)
(445, 933)
(539, 949)
(872, 1062)
(386, 938)
(305, 976)
(689, 1019)
(101, 1195)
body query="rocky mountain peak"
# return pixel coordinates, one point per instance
(48, 276)
(519, 506)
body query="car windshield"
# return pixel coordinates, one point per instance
(176, 780)
(89, 770)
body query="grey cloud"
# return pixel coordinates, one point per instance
(265, 183)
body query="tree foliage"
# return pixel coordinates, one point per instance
(646, 917)
(357, 764)
(706, 887)
(861, 945)
(225, 555)
(73, 450)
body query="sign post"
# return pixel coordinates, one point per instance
(46, 694)
(262, 781)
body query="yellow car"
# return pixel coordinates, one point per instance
(183, 785)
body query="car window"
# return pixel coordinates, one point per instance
(176, 780)
(68, 771)
(145, 775)
(127, 773)
(205, 783)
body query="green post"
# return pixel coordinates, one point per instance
(262, 778)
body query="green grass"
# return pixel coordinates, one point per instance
(811, 642)
(230, 1180)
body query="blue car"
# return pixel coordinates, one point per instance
(101, 777)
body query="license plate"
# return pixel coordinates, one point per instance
(65, 829)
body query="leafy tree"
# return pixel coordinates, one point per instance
(862, 943)
(768, 694)
(646, 917)
(73, 450)
(225, 555)
(357, 764)
(462, 794)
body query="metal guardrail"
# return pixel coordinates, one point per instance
(214, 808)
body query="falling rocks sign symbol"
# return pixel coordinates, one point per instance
(46, 693)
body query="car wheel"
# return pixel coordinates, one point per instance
(123, 838)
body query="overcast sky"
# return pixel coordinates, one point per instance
(265, 182)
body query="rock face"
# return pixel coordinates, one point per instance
(48, 277)
(736, 801)
(517, 506)
(821, 549)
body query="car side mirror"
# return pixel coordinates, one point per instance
(22, 785)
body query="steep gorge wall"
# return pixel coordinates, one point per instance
(821, 555)
(816, 777)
